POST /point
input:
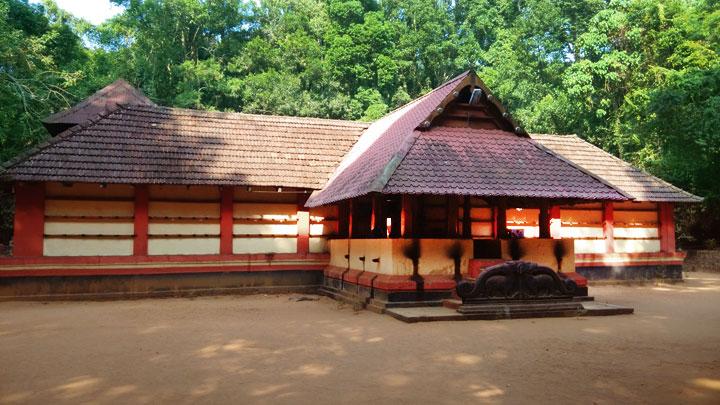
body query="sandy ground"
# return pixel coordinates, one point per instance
(268, 349)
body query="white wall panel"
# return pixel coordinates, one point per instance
(265, 229)
(169, 228)
(590, 246)
(581, 232)
(87, 247)
(637, 246)
(264, 245)
(640, 233)
(183, 246)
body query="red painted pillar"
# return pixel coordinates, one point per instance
(667, 227)
(303, 226)
(140, 243)
(609, 227)
(406, 216)
(29, 225)
(227, 197)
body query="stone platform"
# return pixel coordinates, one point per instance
(454, 311)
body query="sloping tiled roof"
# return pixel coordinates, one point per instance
(102, 101)
(482, 162)
(158, 145)
(620, 174)
(381, 148)
(372, 165)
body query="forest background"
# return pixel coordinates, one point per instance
(639, 78)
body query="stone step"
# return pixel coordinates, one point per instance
(357, 302)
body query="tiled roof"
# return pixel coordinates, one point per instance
(488, 163)
(158, 145)
(103, 101)
(381, 148)
(620, 174)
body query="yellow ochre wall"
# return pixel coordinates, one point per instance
(434, 255)
(433, 258)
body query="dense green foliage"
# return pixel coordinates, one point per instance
(640, 78)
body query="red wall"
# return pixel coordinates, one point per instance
(29, 226)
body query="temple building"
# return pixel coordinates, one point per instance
(132, 198)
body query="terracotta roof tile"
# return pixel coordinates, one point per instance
(620, 174)
(381, 148)
(158, 145)
(489, 163)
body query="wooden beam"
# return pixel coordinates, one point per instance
(609, 227)
(29, 222)
(141, 220)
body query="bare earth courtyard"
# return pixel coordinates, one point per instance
(269, 349)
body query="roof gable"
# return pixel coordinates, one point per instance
(101, 102)
(368, 166)
(394, 148)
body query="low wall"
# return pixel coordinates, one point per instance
(152, 276)
(702, 260)
(158, 285)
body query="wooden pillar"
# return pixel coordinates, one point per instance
(350, 218)
(500, 220)
(303, 226)
(555, 222)
(451, 208)
(343, 217)
(140, 242)
(466, 220)
(544, 221)
(406, 216)
(378, 224)
(667, 227)
(227, 197)
(29, 223)
(609, 227)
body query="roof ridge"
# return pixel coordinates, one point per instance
(267, 117)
